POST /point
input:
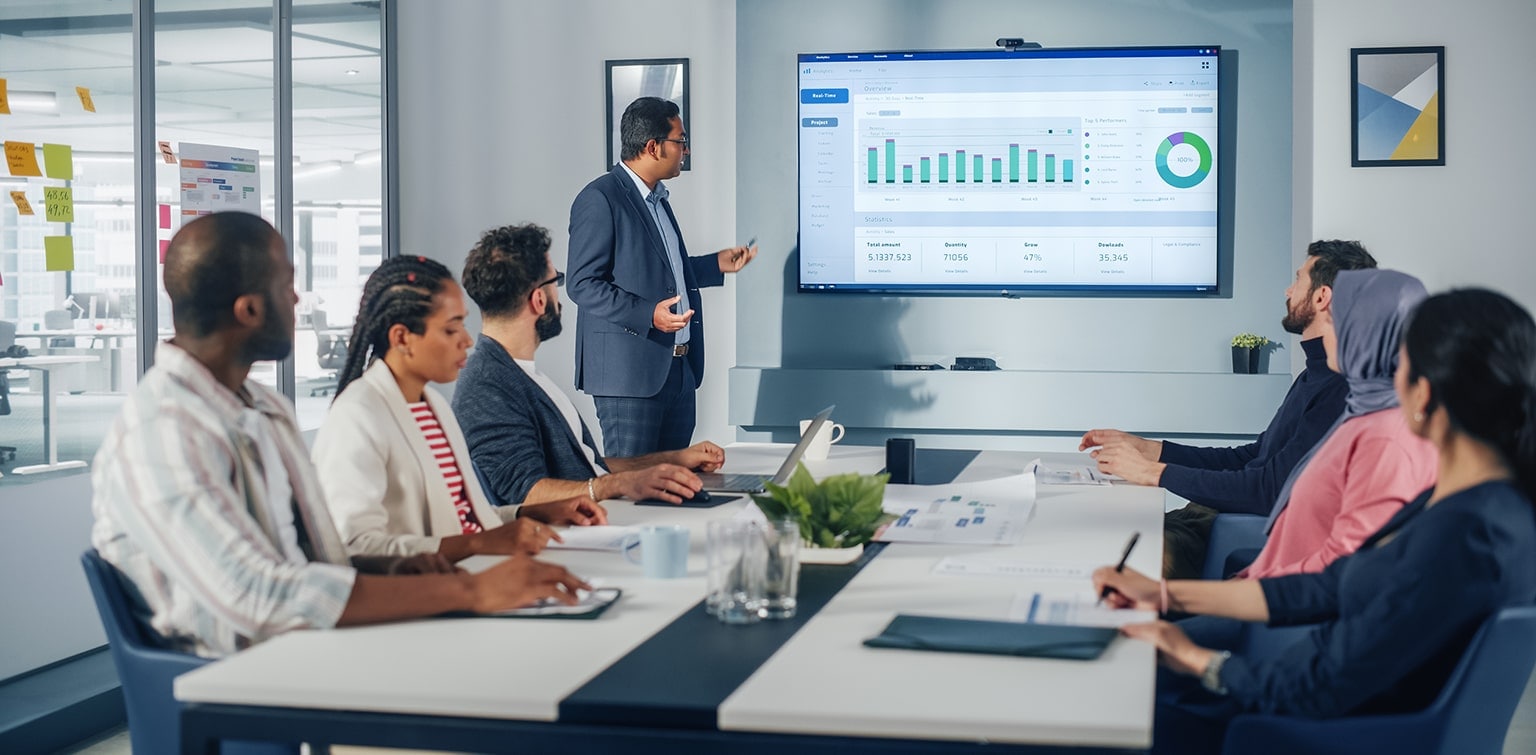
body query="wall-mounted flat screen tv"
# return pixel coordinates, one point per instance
(1009, 172)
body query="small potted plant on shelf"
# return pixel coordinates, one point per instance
(837, 516)
(1250, 354)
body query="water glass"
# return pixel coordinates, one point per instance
(736, 553)
(781, 568)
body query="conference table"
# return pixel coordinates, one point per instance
(654, 673)
(44, 365)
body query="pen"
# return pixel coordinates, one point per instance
(1120, 567)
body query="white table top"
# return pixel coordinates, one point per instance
(522, 669)
(44, 361)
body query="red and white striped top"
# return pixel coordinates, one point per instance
(438, 442)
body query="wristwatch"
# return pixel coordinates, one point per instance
(1210, 678)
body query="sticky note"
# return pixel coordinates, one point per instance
(22, 157)
(85, 99)
(60, 204)
(165, 152)
(59, 253)
(165, 216)
(165, 244)
(60, 161)
(23, 207)
(5, 99)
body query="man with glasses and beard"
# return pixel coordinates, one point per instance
(525, 435)
(205, 497)
(1244, 479)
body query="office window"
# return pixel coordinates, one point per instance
(67, 302)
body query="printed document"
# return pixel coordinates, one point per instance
(1074, 607)
(1056, 473)
(992, 512)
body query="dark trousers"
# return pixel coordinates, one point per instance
(663, 422)
(1186, 536)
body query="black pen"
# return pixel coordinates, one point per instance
(1120, 567)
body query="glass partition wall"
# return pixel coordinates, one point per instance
(299, 81)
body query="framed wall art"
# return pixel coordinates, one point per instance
(629, 80)
(1397, 106)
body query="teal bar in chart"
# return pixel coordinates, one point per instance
(924, 170)
(1034, 166)
(977, 164)
(997, 170)
(1013, 163)
(943, 167)
(906, 174)
(960, 166)
(874, 165)
(890, 161)
(1050, 168)
(1066, 171)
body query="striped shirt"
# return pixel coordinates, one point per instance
(181, 504)
(449, 466)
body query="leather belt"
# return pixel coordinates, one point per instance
(680, 350)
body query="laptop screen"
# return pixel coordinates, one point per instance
(788, 467)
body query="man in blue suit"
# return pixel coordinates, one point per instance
(639, 326)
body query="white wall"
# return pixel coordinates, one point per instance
(1469, 222)
(501, 120)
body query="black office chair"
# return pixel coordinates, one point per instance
(330, 349)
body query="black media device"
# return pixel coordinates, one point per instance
(901, 460)
(919, 366)
(983, 364)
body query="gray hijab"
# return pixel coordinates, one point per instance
(1370, 310)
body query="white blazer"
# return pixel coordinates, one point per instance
(381, 481)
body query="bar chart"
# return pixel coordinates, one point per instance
(1022, 154)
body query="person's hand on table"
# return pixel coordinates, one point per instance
(579, 511)
(521, 581)
(1174, 648)
(1152, 449)
(662, 482)
(703, 456)
(734, 259)
(1120, 458)
(1128, 588)
(667, 321)
(521, 535)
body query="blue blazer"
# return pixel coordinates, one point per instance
(618, 271)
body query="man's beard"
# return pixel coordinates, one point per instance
(548, 324)
(1297, 321)
(273, 342)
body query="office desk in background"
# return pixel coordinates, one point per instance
(111, 343)
(652, 674)
(44, 364)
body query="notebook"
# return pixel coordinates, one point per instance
(994, 637)
(755, 483)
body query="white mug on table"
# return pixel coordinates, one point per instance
(821, 443)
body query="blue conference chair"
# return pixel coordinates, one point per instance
(1229, 533)
(1469, 717)
(146, 670)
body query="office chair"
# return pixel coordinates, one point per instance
(330, 350)
(1470, 715)
(7, 348)
(147, 670)
(1230, 534)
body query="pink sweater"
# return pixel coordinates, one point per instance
(1370, 467)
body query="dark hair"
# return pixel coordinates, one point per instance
(1477, 348)
(645, 120)
(211, 262)
(399, 291)
(505, 266)
(1334, 255)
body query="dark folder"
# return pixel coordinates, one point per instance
(994, 637)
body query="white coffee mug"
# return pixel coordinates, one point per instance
(821, 443)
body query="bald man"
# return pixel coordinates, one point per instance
(204, 494)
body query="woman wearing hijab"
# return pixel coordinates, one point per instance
(1394, 618)
(1371, 464)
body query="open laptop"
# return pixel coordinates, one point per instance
(754, 483)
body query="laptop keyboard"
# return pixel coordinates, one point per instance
(743, 482)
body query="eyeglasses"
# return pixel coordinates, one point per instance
(683, 141)
(558, 280)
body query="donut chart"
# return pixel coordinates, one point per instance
(1201, 171)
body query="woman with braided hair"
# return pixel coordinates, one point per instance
(392, 460)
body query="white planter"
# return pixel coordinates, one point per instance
(809, 555)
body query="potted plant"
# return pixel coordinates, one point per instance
(1250, 354)
(837, 516)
